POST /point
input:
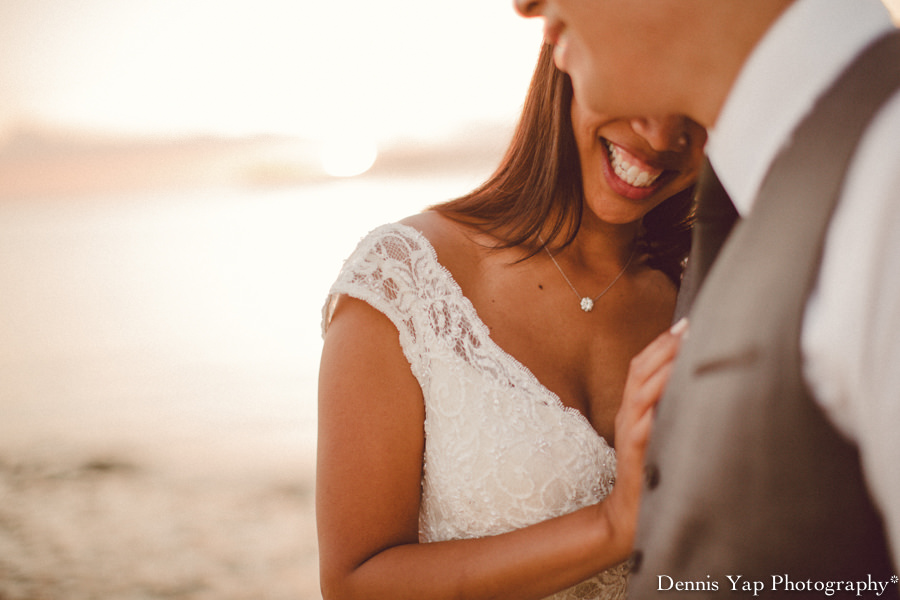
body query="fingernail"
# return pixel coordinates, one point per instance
(679, 327)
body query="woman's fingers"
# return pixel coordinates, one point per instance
(651, 390)
(648, 371)
(648, 375)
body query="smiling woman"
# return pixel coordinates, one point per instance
(467, 404)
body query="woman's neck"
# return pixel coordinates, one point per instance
(598, 245)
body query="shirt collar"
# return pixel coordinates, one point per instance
(798, 58)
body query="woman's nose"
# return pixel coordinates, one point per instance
(663, 133)
(529, 8)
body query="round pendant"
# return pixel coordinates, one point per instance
(587, 304)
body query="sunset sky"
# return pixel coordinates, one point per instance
(297, 67)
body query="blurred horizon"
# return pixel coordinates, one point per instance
(110, 96)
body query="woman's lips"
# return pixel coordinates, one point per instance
(628, 175)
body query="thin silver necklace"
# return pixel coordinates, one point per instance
(587, 303)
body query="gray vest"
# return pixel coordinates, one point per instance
(746, 476)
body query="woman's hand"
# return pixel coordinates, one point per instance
(647, 377)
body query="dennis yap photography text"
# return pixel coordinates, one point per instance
(776, 583)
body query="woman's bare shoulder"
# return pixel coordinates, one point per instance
(460, 248)
(444, 234)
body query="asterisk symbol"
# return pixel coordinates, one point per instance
(894, 579)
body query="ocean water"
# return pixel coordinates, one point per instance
(179, 325)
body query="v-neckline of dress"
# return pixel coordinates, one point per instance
(485, 337)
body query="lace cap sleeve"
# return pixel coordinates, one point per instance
(391, 269)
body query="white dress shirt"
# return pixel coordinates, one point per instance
(851, 330)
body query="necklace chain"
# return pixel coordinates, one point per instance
(587, 303)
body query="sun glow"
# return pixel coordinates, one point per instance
(347, 156)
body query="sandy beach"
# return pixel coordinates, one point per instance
(81, 527)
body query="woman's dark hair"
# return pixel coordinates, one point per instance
(538, 183)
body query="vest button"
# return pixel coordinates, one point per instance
(651, 476)
(635, 560)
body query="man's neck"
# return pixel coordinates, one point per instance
(733, 30)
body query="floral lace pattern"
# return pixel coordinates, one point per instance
(501, 450)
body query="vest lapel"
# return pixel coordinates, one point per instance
(715, 216)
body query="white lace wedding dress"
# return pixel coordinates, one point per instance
(501, 450)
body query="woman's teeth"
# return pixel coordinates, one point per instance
(631, 174)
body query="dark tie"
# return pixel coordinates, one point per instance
(715, 217)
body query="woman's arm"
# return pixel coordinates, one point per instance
(368, 489)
